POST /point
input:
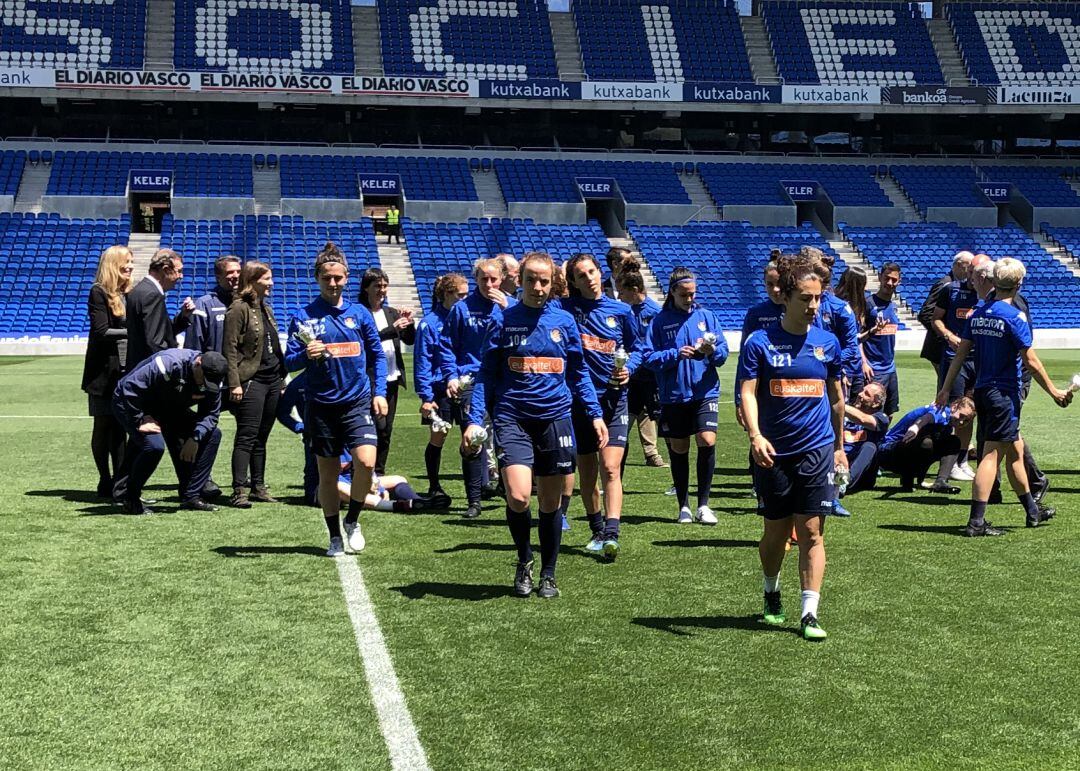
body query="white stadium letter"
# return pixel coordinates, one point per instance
(425, 27)
(829, 50)
(212, 43)
(94, 49)
(663, 48)
(996, 28)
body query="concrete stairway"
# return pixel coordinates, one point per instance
(143, 246)
(487, 188)
(394, 259)
(160, 40)
(948, 54)
(34, 183)
(851, 255)
(567, 47)
(899, 198)
(762, 64)
(267, 190)
(700, 198)
(1059, 253)
(652, 286)
(367, 40)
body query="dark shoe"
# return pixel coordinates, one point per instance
(135, 507)
(1045, 513)
(197, 504)
(104, 488)
(435, 500)
(983, 530)
(239, 499)
(548, 589)
(489, 491)
(1039, 491)
(211, 492)
(473, 511)
(907, 485)
(943, 488)
(773, 612)
(523, 583)
(261, 494)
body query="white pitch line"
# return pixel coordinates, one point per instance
(398, 730)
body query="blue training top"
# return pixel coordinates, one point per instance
(957, 299)
(163, 387)
(764, 315)
(682, 380)
(605, 325)
(533, 367)
(856, 434)
(427, 368)
(835, 315)
(998, 332)
(644, 312)
(792, 371)
(880, 347)
(463, 333)
(942, 415)
(352, 338)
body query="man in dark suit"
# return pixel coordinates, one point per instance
(148, 324)
(933, 344)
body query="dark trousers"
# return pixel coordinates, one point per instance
(862, 465)
(912, 461)
(393, 231)
(384, 427)
(255, 415)
(144, 451)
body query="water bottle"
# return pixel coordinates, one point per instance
(1074, 384)
(478, 439)
(465, 384)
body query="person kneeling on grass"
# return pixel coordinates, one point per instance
(922, 438)
(864, 427)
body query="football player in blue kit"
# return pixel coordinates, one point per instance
(609, 341)
(836, 316)
(998, 335)
(334, 341)
(532, 370)
(684, 347)
(427, 377)
(765, 315)
(641, 399)
(879, 336)
(463, 333)
(793, 404)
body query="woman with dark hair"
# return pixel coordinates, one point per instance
(531, 372)
(395, 327)
(334, 341)
(793, 406)
(104, 363)
(428, 380)
(851, 288)
(252, 347)
(684, 346)
(609, 340)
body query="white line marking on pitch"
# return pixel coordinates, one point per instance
(398, 729)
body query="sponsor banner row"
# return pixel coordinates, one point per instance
(543, 90)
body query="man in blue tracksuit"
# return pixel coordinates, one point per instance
(294, 398)
(684, 347)
(464, 330)
(206, 331)
(154, 403)
(879, 339)
(608, 330)
(532, 371)
(428, 378)
(336, 342)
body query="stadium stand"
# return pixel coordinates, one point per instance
(1018, 43)
(832, 44)
(287, 244)
(58, 33)
(1041, 185)
(925, 251)
(940, 186)
(691, 40)
(195, 174)
(47, 265)
(728, 258)
(437, 248)
(423, 179)
(467, 38)
(553, 181)
(759, 183)
(264, 36)
(11, 169)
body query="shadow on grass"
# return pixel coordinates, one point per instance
(717, 543)
(268, 551)
(678, 625)
(957, 530)
(578, 551)
(924, 500)
(469, 592)
(479, 522)
(476, 547)
(74, 496)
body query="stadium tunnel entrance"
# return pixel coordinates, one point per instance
(604, 204)
(149, 198)
(379, 193)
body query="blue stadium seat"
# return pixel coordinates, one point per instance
(106, 35)
(424, 179)
(542, 180)
(195, 174)
(759, 183)
(940, 186)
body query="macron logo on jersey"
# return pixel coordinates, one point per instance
(787, 388)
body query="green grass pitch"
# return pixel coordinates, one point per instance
(191, 640)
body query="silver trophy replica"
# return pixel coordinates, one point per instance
(709, 338)
(841, 478)
(620, 357)
(465, 384)
(438, 425)
(305, 333)
(1074, 384)
(477, 440)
